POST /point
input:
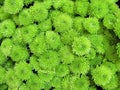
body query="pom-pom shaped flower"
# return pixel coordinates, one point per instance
(62, 23)
(80, 66)
(91, 25)
(23, 70)
(6, 46)
(109, 21)
(49, 60)
(25, 18)
(46, 25)
(66, 55)
(2, 75)
(80, 83)
(45, 75)
(7, 28)
(3, 58)
(81, 45)
(38, 12)
(66, 83)
(23, 87)
(113, 84)
(98, 9)
(17, 36)
(68, 36)
(56, 82)
(34, 83)
(52, 40)
(13, 6)
(61, 70)
(58, 3)
(3, 15)
(38, 45)
(81, 7)
(11, 80)
(78, 24)
(102, 75)
(28, 33)
(19, 53)
(68, 7)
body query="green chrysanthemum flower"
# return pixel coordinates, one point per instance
(80, 83)
(52, 40)
(80, 66)
(38, 12)
(78, 24)
(38, 45)
(109, 21)
(3, 58)
(23, 71)
(102, 75)
(66, 55)
(25, 18)
(62, 23)
(19, 53)
(46, 25)
(29, 32)
(7, 28)
(2, 75)
(81, 7)
(61, 70)
(49, 60)
(91, 25)
(98, 9)
(13, 6)
(6, 46)
(81, 45)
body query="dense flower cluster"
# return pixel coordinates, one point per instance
(59, 45)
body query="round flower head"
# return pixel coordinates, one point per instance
(2, 75)
(3, 58)
(113, 84)
(13, 6)
(38, 12)
(7, 28)
(62, 70)
(102, 75)
(80, 83)
(68, 7)
(68, 36)
(91, 25)
(58, 3)
(66, 55)
(25, 18)
(80, 66)
(45, 25)
(81, 45)
(78, 24)
(62, 23)
(98, 9)
(49, 60)
(28, 33)
(52, 40)
(23, 70)
(6, 46)
(3, 15)
(109, 21)
(81, 7)
(19, 53)
(38, 45)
